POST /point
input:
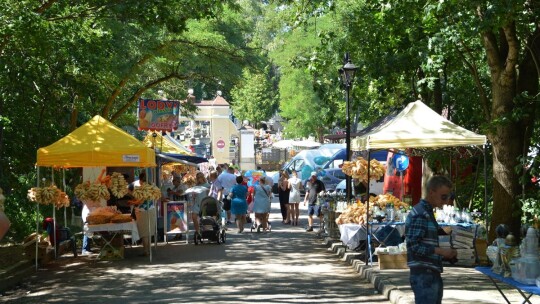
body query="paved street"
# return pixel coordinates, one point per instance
(286, 265)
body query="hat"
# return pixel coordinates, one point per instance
(314, 173)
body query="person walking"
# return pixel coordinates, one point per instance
(424, 256)
(226, 180)
(262, 203)
(313, 188)
(283, 194)
(295, 185)
(197, 198)
(238, 196)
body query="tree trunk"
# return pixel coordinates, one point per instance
(507, 141)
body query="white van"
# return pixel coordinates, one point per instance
(307, 157)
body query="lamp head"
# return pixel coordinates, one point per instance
(347, 71)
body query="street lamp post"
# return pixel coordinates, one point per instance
(347, 76)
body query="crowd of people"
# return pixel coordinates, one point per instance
(240, 198)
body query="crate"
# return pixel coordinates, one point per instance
(392, 261)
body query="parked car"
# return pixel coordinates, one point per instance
(375, 187)
(332, 177)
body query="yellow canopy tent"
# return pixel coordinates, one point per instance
(165, 144)
(97, 143)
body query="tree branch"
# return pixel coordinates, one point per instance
(144, 88)
(45, 6)
(484, 100)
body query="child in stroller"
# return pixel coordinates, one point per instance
(210, 227)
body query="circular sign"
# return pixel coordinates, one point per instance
(220, 144)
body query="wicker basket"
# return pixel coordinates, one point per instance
(97, 219)
(121, 218)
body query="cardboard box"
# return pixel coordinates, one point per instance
(393, 261)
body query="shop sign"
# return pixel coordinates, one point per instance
(158, 115)
(131, 158)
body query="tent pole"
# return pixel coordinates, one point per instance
(37, 222)
(485, 191)
(53, 237)
(368, 245)
(64, 184)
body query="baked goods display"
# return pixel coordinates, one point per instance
(358, 169)
(102, 215)
(118, 185)
(145, 192)
(356, 213)
(48, 196)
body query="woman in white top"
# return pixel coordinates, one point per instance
(295, 185)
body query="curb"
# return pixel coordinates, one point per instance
(15, 274)
(380, 282)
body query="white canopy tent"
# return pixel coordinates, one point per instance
(417, 126)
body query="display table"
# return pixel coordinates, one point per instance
(353, 234)
(526, 291)
(114, 229)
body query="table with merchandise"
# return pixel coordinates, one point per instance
(113, 230)
(526, 291)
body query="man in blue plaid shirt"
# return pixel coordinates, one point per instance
(424, 256)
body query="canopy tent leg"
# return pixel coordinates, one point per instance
(368, 245)
(485, 191)
(65, 190)
(53, 237)
(37, 222)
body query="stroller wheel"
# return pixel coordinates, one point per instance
(218, 237)
(222, 236)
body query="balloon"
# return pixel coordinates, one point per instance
(320, 160)
(400, 161)
(248, 173)
(306, 172)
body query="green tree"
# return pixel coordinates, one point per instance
(252, 99)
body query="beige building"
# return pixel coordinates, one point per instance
(212, 132)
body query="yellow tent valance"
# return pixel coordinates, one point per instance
(97, 143)
(164, 144)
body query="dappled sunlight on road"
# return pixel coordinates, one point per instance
(283, 266)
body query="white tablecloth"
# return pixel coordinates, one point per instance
(130, 228)
(352, 234)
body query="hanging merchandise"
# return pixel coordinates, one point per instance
(400, 161)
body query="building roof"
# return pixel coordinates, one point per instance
(218, 101)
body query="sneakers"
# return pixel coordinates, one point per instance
(229, 223)
(84, 252)
(309, 229)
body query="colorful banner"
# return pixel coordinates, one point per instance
(158, 115)
(176, 217)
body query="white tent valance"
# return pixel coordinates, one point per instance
(417, 126)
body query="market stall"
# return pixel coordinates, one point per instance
(417, 127)
(173, 159)
(97, 143)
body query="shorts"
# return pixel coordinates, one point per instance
(314, 210)
(226, 204)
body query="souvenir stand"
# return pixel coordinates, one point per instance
(97, 143)
(417, 127)
(172, 157)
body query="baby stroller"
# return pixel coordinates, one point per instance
(210, 227)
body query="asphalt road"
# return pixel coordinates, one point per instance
(287, 265)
